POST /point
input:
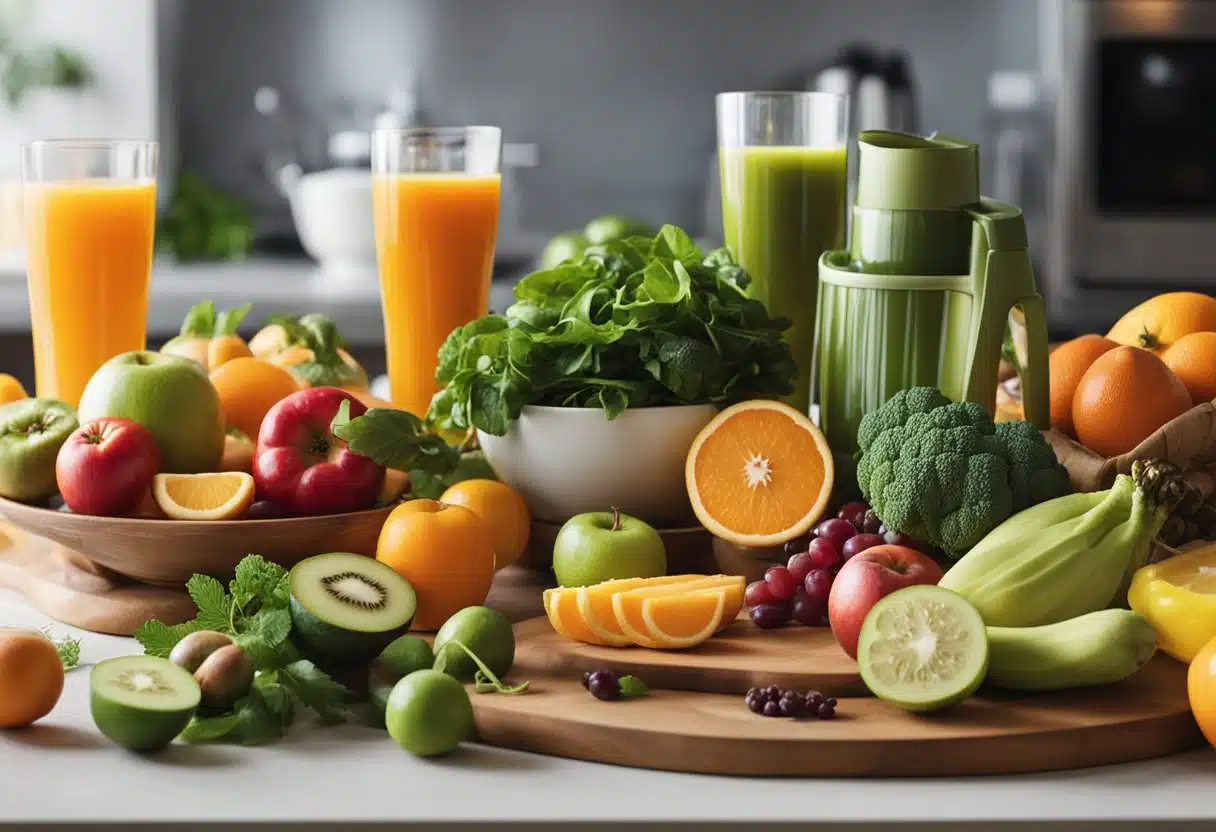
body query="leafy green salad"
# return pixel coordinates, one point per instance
(636, 322)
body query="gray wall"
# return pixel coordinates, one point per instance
(618, 94)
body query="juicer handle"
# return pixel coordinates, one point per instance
(1036, 407)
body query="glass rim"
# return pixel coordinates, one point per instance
(811, 95)
(473, 129)
(85, 144)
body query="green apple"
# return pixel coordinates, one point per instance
(171, 397)
(31, 433)
(601, 546)
(615, 227)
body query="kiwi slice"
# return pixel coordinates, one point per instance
(141, 702)
(347, 608)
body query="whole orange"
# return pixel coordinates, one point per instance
(1067, 365)
(31, 677)
(446, 553)
(248, 388)
(1193, 360)
(1163, 319)
(503, 510)
(1124, 396)
(1201, 689)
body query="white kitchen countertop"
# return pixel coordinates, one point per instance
(62, 770)
(274, 285)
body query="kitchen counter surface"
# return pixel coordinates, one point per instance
(274, 285)
(63, 771)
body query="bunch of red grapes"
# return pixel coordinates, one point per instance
(799, 590)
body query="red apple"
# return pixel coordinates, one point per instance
(865, 579)
(302, 467)
(106, 466)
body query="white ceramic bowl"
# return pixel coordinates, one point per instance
(332, 211)
(570, 460)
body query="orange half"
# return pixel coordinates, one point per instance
(216, 496)
(759, 474)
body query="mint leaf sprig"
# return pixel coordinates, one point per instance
(253, 611)
(67, 647)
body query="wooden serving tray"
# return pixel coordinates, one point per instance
(714, 733)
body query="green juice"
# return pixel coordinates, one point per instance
(782, 207)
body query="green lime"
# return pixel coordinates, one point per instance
(404, 656)
(923, 648)
(565, 246)
(486, 632)
(429, 713)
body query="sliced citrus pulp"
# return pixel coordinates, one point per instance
(216, 496)
(628, 606)
(683, 620)
(759, 474)
(562, 606)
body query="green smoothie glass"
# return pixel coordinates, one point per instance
(784, 161)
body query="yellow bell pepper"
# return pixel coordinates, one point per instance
(1178, 597)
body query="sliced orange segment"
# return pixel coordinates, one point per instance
(216, 496)
(759, 474)
(685, 620)
(627, 606)
(594, 606)
(561, 605)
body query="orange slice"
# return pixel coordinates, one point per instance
(627, 606)
(684, 620)
(593, 606)
(217, 496)
(561, 604)
(759, 474)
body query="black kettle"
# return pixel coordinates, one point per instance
(879, 85)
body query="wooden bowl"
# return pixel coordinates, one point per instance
(168, 552)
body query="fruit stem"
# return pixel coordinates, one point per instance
(616, 519)
(1148, 340)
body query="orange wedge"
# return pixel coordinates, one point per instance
(684, 620)
(593, 607)
(627, 606)
(759, 474)
(562, 607)
(217, 496)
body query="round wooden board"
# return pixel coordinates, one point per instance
(739, 657)
(1143, 717)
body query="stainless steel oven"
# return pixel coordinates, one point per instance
(1133, 185)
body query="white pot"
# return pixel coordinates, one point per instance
(332, 211)
(570, 460)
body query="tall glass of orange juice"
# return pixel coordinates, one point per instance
(90, 216)
(435, 198)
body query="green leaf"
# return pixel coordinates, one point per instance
(316, 690)
(268, 631)
(210, 728)
(200, 320)
(228, 321)
(674, 243)
(213, 602)
(258, 578)
(631, 687)
(159, 639)
(274, 698)
(341, 418)
(397, 439)
(256, 724)
(67, 647)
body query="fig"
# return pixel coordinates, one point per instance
(224, 677)
(194, 649)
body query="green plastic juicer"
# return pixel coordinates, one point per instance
(923, 294)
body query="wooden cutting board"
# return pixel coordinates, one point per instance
(714, 733)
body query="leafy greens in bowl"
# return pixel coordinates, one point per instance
(637, 322)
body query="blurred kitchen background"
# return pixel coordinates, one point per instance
(1096, 117)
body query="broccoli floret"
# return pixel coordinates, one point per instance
(943, 472)
(1035, 475)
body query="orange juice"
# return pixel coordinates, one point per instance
(90, 257)
(435, 236)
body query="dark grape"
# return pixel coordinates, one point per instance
(836, 530)
(603, 685)
(826, 711)
(780, 582)
(758, 593)
(853, 513)
(859, 543)
(264, 510)
(805, 609)
(824, 554)
(799, 565)
(771, 708)
(587, 679)
(901, 539)
(870, 524)
(756, 705)
(813, 700)
(772, 692)
(831, 701)
(818, 585)
(770, 616)
(791, 706)
(793, 547)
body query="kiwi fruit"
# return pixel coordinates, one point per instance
(190, 653)
(142, 702)
(347, 608)
(224, 677)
